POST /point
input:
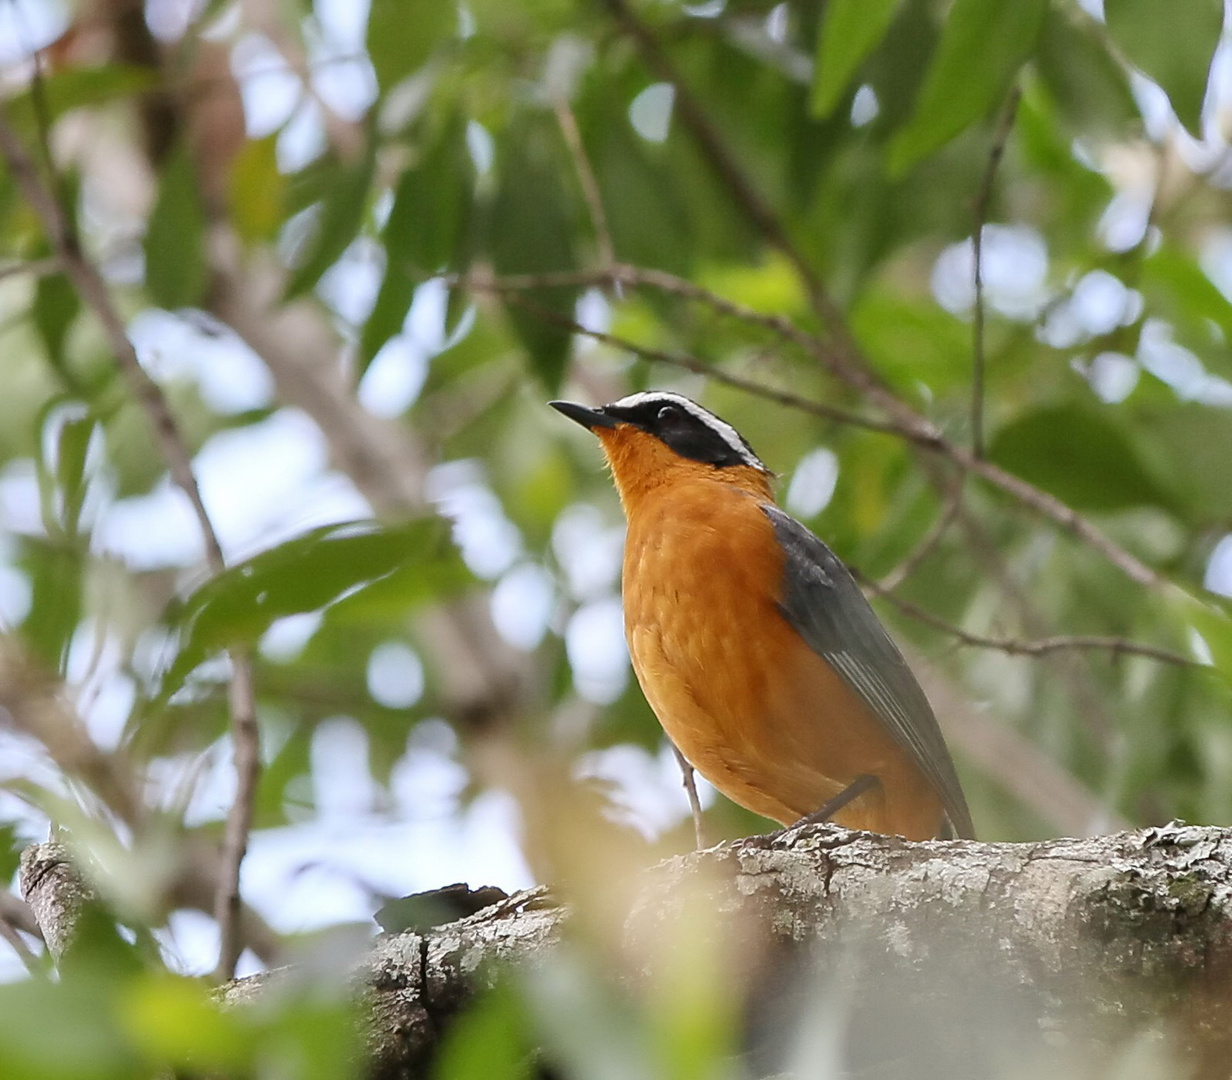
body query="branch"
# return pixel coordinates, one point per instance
(1118, 646)
(929, 947)
(57, 894)
(982, 199)
(96, 295)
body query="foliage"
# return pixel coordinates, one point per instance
(779, 193)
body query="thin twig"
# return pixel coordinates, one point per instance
(695, 804)
(688, 362)
(588, 180)
(930, 540)
(94, 291)
(1118, 646)
(982, 200)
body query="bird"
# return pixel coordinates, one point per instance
(752, 642)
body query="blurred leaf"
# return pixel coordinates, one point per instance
(532, 225)
(1211, 617)
(306, 574)
(56, 577)
(81, 86)
(344, 203)
(63, 1030)
(489, 1041)
(1090, 88)
(257, 190)
(1173, 43)
(982, 46)
(175, 268)
(1193, 297)
(56, 306)
(176, 1022)
(850, 30)
(402, 34)
(423, 235)
(1079, 455)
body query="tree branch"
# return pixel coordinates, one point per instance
(932, 948)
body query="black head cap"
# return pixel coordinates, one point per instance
(690, 430)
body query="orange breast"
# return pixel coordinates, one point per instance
(745, 699)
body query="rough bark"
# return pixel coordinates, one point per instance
(946, 959)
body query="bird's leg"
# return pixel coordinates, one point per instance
(830, 807)
(686, 771)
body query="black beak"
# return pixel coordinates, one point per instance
(589, 418)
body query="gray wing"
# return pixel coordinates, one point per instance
(825, 605)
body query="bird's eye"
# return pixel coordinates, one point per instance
(668, 413)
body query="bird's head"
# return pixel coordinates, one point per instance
(658, 437)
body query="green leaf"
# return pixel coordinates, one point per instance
(424, 233)
(1090, 88)
(489, 1041)
(532, 225)
(56, 306)
(1079, 455)
(257, 190)
(982, 46)
(175, 267)
(850, 30)
(56, 574)
(341, 214)
(402, 34)
(1211, 618)
(1172, 43)
(306, 574)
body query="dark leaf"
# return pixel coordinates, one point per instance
(342, 211)
(306, 574)
(1079, 455)
(532, 226)
(1090, 88)
(982, 46)
(431, 211)
(175, 267)
(850, 30)
(1173, 44)
(402, 34)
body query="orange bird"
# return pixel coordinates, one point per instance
(753, 643)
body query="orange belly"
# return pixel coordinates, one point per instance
(760, 715)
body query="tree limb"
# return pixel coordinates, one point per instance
(984, 949)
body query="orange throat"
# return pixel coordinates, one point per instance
(641, 464)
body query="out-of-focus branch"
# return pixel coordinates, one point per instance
(95, 294)
(982, 199)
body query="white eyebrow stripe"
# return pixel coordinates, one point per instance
(720, 427)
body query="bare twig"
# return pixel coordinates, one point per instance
(982, 200)
(690, 787)
(1118, 646)
(94, 291)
